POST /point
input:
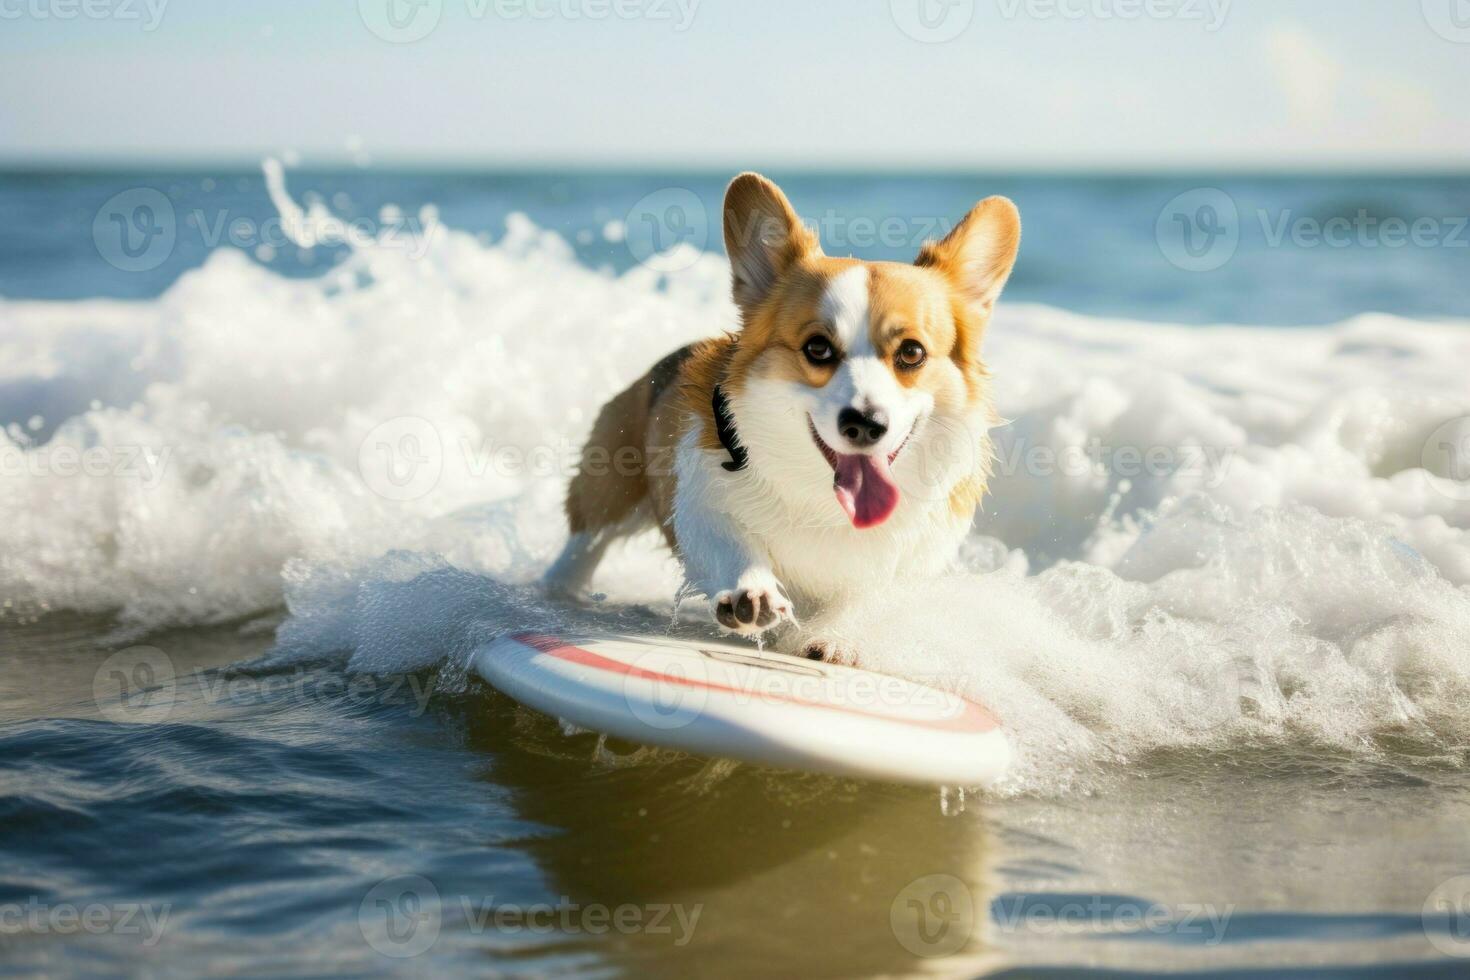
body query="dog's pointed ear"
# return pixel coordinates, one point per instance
(979, 253)
(763, 237)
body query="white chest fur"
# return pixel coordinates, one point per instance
(824, 562)
(789, 518)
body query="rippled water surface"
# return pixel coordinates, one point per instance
(302, 822)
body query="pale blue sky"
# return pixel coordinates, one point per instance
(1026, 83)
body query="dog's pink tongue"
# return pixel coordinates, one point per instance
(865, 489)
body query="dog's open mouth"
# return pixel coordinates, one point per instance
(863, 483)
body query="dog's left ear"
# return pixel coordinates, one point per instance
(979, 253)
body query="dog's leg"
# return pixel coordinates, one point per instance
(720, 560)
(742, 589)
(573, 568)
(608, 497)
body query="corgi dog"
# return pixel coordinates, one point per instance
(838, 440)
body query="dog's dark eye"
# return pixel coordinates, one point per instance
(819, 350)
(911, 354)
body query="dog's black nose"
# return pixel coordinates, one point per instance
(862, 429)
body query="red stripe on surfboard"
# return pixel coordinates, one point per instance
(972, 718)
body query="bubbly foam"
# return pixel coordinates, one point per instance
(1194, 536)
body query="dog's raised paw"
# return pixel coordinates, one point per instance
(751, 610)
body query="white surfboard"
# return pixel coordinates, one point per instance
(730, 701)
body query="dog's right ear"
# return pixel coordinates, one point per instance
(763, 237)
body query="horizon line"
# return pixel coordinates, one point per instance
(240, 164)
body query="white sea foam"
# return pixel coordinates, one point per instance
(1195, 537)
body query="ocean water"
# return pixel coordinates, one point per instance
(280, 448)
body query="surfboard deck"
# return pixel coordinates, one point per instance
(729, 701)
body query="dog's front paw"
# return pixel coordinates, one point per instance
(753, 607)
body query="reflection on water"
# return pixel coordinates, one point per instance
(803, 873)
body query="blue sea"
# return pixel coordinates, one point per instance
(1307, 249)
(236, 731)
